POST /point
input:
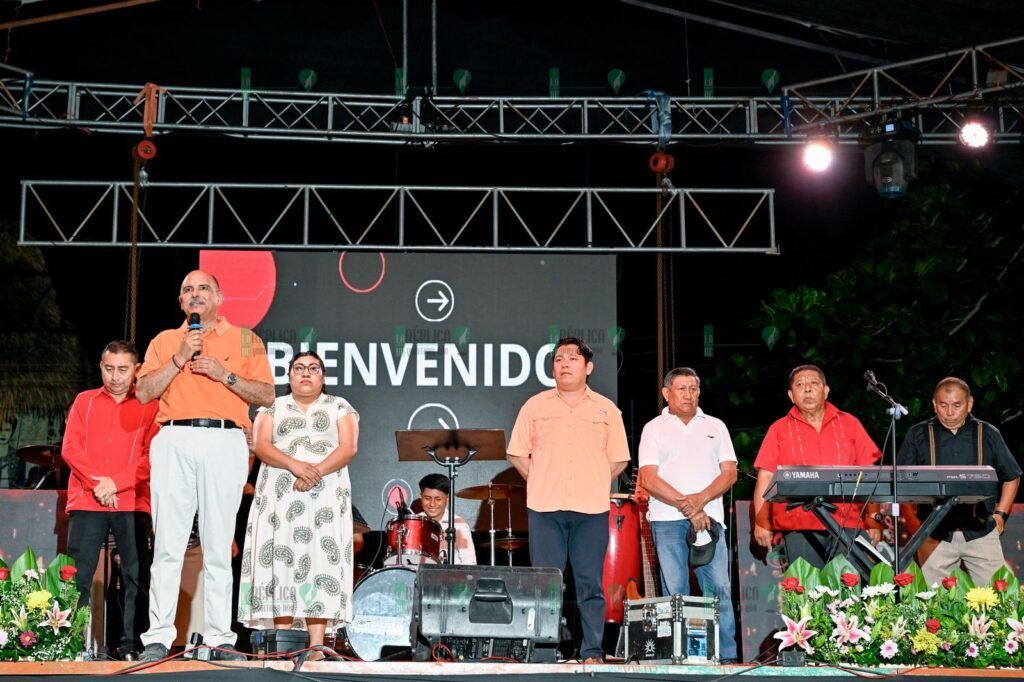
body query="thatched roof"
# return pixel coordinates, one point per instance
(42, 366)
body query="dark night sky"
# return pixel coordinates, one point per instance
(820, 220)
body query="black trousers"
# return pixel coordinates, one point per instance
(86, 532)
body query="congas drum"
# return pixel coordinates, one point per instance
(413, 541)
(382, 606)
(622, 560)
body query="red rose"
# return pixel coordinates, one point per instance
(903, 579)
(799, 589)
(790, 584)
(933, 625)
(67, 572)
(4, 573)
(949, 583)
(850, 579)
(1000, 585)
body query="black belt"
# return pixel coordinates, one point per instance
(204, 423)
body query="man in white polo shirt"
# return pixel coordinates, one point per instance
(687, 463)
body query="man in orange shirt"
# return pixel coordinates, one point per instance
(569, 443)
(106, 444)
(813, 433)
(205, 379)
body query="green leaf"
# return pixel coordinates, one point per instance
(23, 563)
(830, 575)
(809, 576)
(52, 578)
(881, 573)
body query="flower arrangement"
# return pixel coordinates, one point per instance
(40, 619)
(898, 619)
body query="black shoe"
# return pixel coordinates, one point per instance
(226, 652)
(153, 652)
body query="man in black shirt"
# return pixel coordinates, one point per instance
(953, 437)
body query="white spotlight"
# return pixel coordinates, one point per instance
(817, 155)
(974, 134)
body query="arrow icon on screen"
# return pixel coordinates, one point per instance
(441, 302)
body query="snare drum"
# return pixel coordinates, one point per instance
(382, 607)
(420, 540)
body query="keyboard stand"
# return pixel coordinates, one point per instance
(823, 510)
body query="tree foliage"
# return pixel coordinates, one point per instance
(937, 293)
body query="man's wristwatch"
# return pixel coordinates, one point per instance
(232, 379)
(1000, 512)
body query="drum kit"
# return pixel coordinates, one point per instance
(383, 599)
(49, 461)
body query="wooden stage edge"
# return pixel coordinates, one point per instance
(448, 669)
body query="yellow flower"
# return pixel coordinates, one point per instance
(979, 598)
(38, 600)
(926, 641)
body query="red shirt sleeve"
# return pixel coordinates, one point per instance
(73, 447)
(768, 456)
(867, 452)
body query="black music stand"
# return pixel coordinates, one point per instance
(451, 448)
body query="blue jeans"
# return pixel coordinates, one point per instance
(674, 559)
(583, 540)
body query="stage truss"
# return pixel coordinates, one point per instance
(399, 218)
(338, 117)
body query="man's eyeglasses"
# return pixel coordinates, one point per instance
(302, 369)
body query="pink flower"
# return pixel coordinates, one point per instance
(844, 649)
(796, 634)
(1017, 627)
(946, 646)
(27, 638)
(888, 649)
(972, 650)
(847, 630)
(3, 638)
(978, 627)
(57, 619)
(1011, 645)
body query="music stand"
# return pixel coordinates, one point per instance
(450, 448)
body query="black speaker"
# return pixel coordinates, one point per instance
(477, 613)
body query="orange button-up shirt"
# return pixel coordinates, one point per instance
(571, 449)
(196, 396)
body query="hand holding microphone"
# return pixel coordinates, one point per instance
(192, 343)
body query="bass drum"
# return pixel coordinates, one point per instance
(382, 605)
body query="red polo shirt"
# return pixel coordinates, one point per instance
(107, 438)
(792, 441)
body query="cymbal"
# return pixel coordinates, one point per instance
(43, 455)
(508, 543)
(499, 491)
(360, 527)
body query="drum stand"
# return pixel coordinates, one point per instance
(453, 464)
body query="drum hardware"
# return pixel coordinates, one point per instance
(45, 456)
(413, 541)
(490, 493)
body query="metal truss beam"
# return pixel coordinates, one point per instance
(339, 117)
(399, 218)
(938, 91)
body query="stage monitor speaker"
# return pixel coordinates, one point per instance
(475, 613)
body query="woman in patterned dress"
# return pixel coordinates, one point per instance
(297, 558)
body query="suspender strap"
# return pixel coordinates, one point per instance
(979, 443)
(931, 442)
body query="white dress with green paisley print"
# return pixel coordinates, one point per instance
(297, 557)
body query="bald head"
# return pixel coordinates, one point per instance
(200, 293)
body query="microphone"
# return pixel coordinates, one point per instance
(869, 377)
(194, 325)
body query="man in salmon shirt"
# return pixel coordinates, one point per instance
(106, 444)
(205, 379)
(814, 433)
(569, 444)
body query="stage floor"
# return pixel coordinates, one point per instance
(473, 672)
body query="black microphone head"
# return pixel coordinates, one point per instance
(193, 319)
(869, 376)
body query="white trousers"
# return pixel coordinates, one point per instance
(194, 469)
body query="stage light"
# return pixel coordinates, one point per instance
(974, 134)
(817, 155)
(890, 157)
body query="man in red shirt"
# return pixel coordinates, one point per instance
(106, 444)
(814, 433)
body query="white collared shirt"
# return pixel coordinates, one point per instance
(688, 457)
(465, 551)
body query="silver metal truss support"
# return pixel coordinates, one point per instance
(935, 92)
(427, 120)
(398, 218)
